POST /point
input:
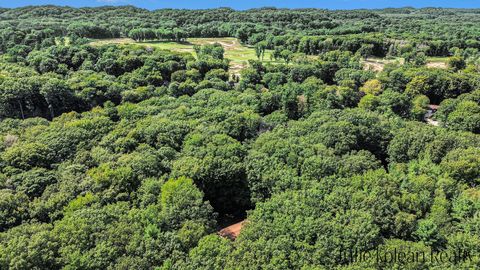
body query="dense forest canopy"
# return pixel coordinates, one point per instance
(126, 156)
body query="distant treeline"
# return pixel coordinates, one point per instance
(311, 31)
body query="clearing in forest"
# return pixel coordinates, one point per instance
(377, 64)
(437, 64)
(240, 54)
(236, 52)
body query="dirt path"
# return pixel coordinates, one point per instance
(437, 65)
(375, 66)
(233, 231)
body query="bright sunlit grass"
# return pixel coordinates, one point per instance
(236, 52)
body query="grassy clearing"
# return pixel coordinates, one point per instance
(239, 54)
(377, 64)
(236, 52)
(437, 62)
(437, 59)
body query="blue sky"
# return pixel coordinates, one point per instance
(245, 4)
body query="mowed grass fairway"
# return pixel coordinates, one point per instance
(236, 52)
(240, 54)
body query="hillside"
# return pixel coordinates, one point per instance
(221, 139)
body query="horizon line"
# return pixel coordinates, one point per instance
(235, 9)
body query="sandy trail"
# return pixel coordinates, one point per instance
(437, 65)
(233, 231)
